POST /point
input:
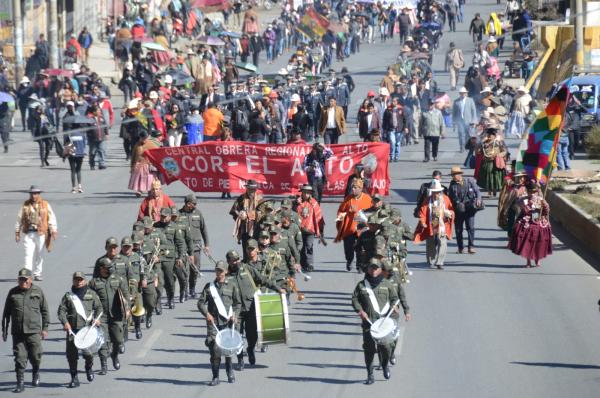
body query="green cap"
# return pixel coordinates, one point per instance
(174, 211)
(286, 214)
(275, 230)
(252, 244)
(396, 213)
(386, 265)
(375, 263)
(191, 198)
(138, 226)
(232, 255)
(24, 273)
(137, 237)
(126, 241)
(78, 274)
(165, 211)
(269, 205)
(112, 241)
(263, 234)
(286, 203)
(105, 262)
(268, 220)
(220, 265)
(148, 222)
(377, 197)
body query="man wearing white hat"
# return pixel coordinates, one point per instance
(464, 117)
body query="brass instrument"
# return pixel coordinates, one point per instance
(138, 309)
(154, 254)
(294, 287)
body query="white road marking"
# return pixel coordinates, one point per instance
(148, 344)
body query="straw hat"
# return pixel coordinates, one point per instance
(455, 170)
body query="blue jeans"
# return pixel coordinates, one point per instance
(394, 138)
(270, 52)
(562, 155)
(348, 46)
(280, 46)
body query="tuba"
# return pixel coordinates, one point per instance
(138, 309)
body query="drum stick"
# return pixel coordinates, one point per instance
(93, 322)
(305, 276)
(392, 309)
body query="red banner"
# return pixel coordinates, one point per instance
(279, 169)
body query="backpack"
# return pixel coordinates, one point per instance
(240, 121)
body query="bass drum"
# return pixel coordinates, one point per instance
(272, 319)
(89, 339)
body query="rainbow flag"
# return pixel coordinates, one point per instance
(313, 24)
(537, 152)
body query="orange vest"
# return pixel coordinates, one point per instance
(35, 215)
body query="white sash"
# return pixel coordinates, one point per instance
(79, 307)
(374, 301)
(219, 302)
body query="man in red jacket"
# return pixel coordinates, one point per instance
(311, 225)
(155, 201)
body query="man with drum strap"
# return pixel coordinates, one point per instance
(113, 293)
(149, 279)
(372, 299)
(220, 303)
(27, 308)
(190, 213)
(79, 308)
(270, 260)
(367, 242)
(151, 236)
(172, 252)
(311, 225)
(182, 271)
(389, 275)
(135, 275)
(248, 279)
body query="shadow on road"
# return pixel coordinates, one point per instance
(332, 332)
(315, 380)
(180, 351)
(174, 365)
(557, 365)
(327, 349)
(164, 381)
(328, 365)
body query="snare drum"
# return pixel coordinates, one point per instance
(272, 319)
(384, 331)
(230, 342)
(89, 339)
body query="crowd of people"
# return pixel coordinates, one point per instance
(175, 98)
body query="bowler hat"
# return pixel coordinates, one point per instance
(34, 189)
(251, 184)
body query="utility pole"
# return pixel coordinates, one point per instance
(18, 37)
(579, 34)
(53, 34)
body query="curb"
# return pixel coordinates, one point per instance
(576, 222)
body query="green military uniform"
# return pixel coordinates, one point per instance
(230, 297)
(272, 264)
(367, 243)
(113, 314)
(195, 221)
(173, 249)
(68, 313)
(286, 205)
(248, 280)
(149, 278)
(385, 295)
(119, 263)
(183, 271)
(135, 273)
(151, 236)
(395, 280)
(28, 311)
(292, 235)
(286, 267)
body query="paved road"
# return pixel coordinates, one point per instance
(484, 327)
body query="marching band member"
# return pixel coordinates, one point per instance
(220, 303)
(373, 297)
(78, 308)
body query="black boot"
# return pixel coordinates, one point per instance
(229, 370)
(158, 309)
(240, 364)
(20, 387)
(370, 378)
(74, 380)
(215, 374)
(193, 291)
(181, 297)
(369, 356)
(251, 357)
(138, 332)
(148, 321)
(115, 361)
(103, 366)
(171, 303)
(89, 373)
(386, 372)
(122, 348)
(35, 377)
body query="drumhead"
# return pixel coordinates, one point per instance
(86, 337)
(229, 339)
(382, 327)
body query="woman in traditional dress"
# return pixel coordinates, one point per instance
(141, 177)
(508, 204)
(493, 154)
(349, 215)
(520, 109)
(532, 234)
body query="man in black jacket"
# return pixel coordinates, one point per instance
(314, 165)
(466, 199)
